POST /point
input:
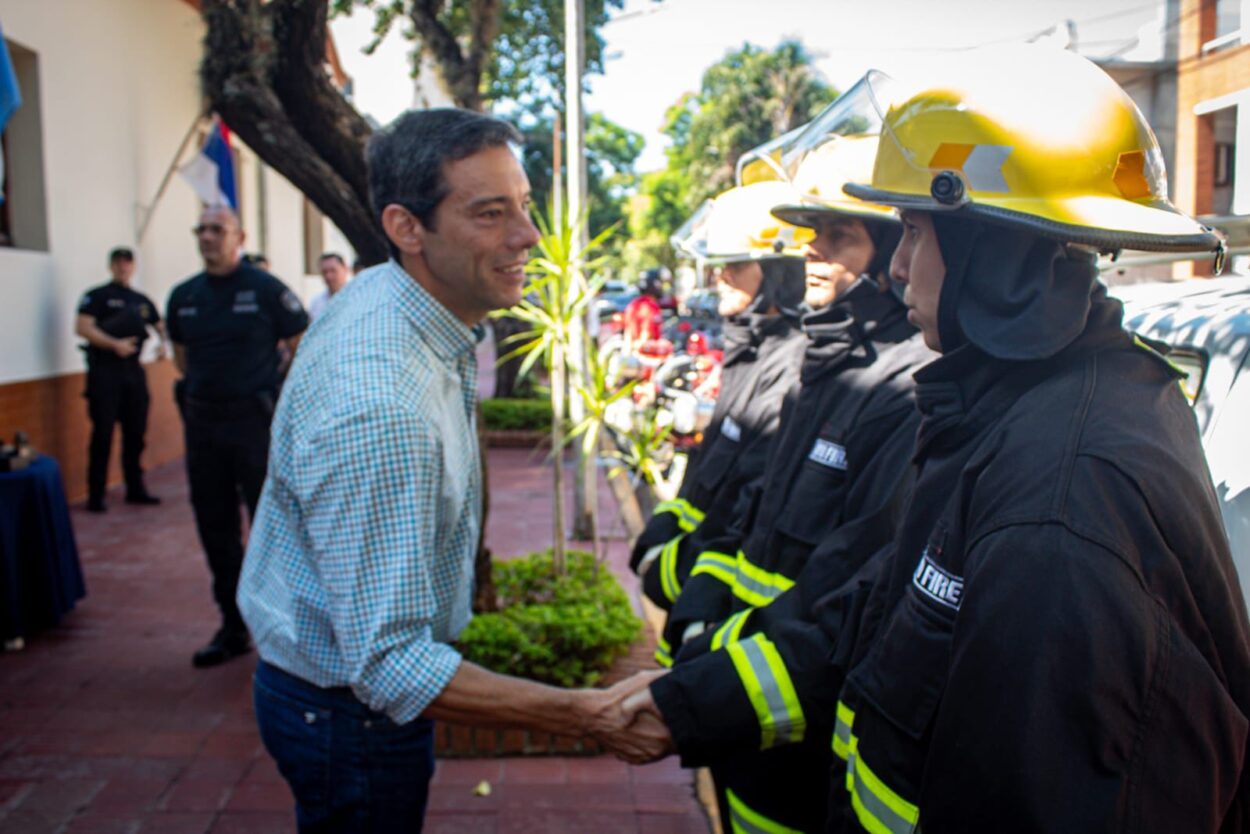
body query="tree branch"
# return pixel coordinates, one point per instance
(315, 107)
(442, 46)
(238, 56)
(484, 16)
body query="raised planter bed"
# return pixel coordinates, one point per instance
(456, 741)
(517, 438)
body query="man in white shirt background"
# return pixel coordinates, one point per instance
(334, 272)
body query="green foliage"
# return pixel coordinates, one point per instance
(556, 295)
(511, 414)
(564, 630)
(655, 213)
(642, 449)
(750, 96)
(526, 63)
(611, 154)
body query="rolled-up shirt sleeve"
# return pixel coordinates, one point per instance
(372, 526)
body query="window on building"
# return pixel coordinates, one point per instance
(1226, 32)
(1223, 159)
(314, 236)
(24, 214)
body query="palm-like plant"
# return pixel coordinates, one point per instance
(557, 297)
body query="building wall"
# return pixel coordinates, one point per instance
(113, 118)
(1204, 80)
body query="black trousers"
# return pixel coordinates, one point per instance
(227, 454)
(117, 392)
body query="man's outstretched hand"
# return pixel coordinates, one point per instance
(625, 720)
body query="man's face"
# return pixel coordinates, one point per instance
(122, 269)
(737, 286)
(480, 239)
(219, 238)
(918, 263)
(334, 273)
(841, 252)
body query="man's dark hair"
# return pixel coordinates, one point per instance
(406, 158)
(326, 256)
(122, 253)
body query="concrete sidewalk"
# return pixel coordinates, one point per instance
(105, 726)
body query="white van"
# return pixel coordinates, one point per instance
(1206, 322)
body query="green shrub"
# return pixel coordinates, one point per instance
(499, 414)
(563, 630)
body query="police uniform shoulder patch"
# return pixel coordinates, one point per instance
(291, 302)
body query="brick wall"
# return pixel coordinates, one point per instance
(1201, 78)
(53, 413)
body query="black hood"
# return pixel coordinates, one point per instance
(785, 281)
(744, 333)
(1011, 293)
(885, 237)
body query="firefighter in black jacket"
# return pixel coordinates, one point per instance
(1055, 640)
(834, 489)
(761, 283)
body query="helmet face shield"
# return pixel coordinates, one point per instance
(855, 113)
(837, 147)
(1032, 137)
(691, 238)
(763, 164)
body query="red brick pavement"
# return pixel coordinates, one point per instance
(105, 727)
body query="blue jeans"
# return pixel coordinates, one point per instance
(351, 769)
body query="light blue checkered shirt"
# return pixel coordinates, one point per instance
(359, 568)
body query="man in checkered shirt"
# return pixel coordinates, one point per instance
(359, 569)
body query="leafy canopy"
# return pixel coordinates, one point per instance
(750, 96)
(525, 63)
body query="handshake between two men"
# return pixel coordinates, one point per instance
(626, 721)
(623, 718)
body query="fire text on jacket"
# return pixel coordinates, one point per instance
(938, 585)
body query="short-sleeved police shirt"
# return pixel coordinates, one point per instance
(230, 326)
(121, 313)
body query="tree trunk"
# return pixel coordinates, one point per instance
(485, 596)
(288, 114)
(507, 371)
(558, 382)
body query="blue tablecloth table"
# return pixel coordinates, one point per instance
(40, 577)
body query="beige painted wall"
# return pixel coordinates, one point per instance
(114, 111)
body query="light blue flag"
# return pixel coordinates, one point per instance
(10, 94)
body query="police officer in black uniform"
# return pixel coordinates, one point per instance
(226, 324)
(761, 292)
(114, 320)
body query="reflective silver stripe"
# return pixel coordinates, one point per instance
(754, 592)
(841, 735)
(783, 730)
(873, 812)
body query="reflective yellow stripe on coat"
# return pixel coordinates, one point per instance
(730, 630)
(668, 569)
(879, 809)
(746, 820)
(688, 515)
(768, 686)
(750, 583)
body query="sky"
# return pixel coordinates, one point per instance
(658, 51)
